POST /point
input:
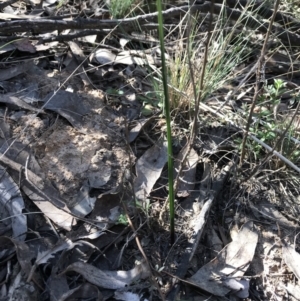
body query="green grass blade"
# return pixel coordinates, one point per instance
(168, 120)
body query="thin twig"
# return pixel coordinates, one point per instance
(137, 240)
(260, 79)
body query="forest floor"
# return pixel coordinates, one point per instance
(84, 181)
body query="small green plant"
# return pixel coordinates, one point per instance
(119, 9)
(144, 206)
(151, 103)
(274, 92)
(268, 125)
(61, 3)
(122, 220)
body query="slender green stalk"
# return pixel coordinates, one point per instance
(168, 120)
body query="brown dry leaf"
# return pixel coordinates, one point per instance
(268, 210)
(126, 296)
(109, 279)
(293, 290)
(12, 205)
(58, 287)
(42, 194)
(24, 254)
(25, 45)
(68, 105)
(17, 102)
(81, 59)
(232, 261)
(148, 169)
(13, 71)
(291, 258)
(105, 56)
(240, 288)
(134, 132)
(45, 256)
(85, 291)
(187, 178)
(127, 58)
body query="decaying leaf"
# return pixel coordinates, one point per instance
(134, 132)
(148, 169)
(17, 102)
(11, 205)
(45, 196)
(232, 262)
(24, 254)
(25, 45)
(85, 204)
(126, 58)
(126, 296)
(291, 258)
(45, 256)
(293, 290)
(109, 279)
(68, 105)
(105, 56)
(269, 211)
(57, 285)
(187, 177)
(85, 291)
(13, 71)
(240, 288)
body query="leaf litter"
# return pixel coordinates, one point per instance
(67, 170)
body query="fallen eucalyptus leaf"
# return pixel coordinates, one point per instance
(187, 178)
(11, 205)
(148, 169)
(105, 56)
(109, 279)
(233, 261)
(291, 258)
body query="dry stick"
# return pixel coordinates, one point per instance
(45, 25)
(260, 78)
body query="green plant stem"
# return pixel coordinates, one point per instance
(168, 121)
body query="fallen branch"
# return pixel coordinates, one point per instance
(36, 26)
